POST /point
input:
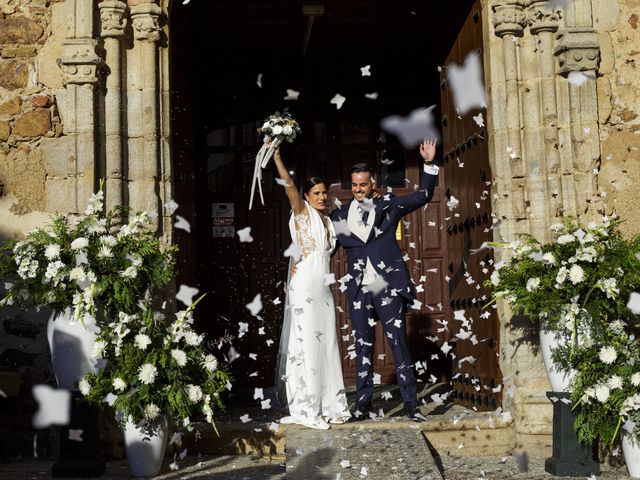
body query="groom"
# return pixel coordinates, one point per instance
(378, 282)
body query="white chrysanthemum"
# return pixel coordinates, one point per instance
(79, 243)
(53, 272)
(610, 287)
(608, 355)
(151, 411)
(210, 363)
(192, 338)
(147, 373)
(142, 341)
(119, 384)
(556, 227)
(195, 393)
(617, 327)
(84, 386)
(635, 379)
(576, 274)
(566, 238)
(602, 393)
(587, 254)
(549, 258)
(277, 130)
(179, 356)
(77, 273)
(533, 284)
(130, 272)
(109, 241)
(136, 260)
(98, 348)
(105, 252)
(615, 382)
(52, 251)
(287, 130)
(495, 278)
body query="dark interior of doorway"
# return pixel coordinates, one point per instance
(219, 52)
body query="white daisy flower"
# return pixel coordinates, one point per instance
(151, 411)
(576, 274)
(119, 384)
(79, 243)
(211, 363)
(608, 355)
(179, 356)
(549, 258)
(109, 241)
(533, 284)
(602, 393)
(105, 252)
(52, 251)
(192, 338)
(142, 341)
(194, 392)
(556, 227)
(615, 382)
(84, 386)
(77, 273)
(147, 373)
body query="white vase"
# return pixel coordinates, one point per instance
(631, 450)
(560, 381)
(145, 450)
(71, 344)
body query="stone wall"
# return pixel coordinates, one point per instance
(619, 108)
(29, 118)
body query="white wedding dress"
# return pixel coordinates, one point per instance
(311, 361)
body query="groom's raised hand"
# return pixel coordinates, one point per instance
(428, 150)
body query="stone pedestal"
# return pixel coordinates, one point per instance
(570, 457)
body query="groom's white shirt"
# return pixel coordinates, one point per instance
(362, 231)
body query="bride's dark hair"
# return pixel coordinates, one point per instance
(309, 183)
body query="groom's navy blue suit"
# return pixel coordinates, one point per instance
(390, 303)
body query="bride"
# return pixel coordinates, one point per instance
(309, 359)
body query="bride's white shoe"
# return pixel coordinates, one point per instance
(317, 424)
(288, 420)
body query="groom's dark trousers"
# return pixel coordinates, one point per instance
(391, 308)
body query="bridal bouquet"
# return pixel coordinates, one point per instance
(276, 129)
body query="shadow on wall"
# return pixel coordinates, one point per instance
(13, 225)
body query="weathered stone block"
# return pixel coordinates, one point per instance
(19, 30)
(11, 107)
(58, 156)
(5, 130)
(41, 101)
(14, 74)
(33, 124)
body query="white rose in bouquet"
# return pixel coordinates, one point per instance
(277, 130)
(287, 130)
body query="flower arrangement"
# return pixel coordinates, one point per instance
(577, 287)
(586, 272)
(276, 128)
(155, 369)
(95, 260)
(282, 126)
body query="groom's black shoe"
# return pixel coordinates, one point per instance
(413, 412)
(361, 412)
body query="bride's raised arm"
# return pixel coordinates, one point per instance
(296, 201)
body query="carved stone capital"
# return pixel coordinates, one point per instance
(79, 62)
(577, 49)
(144, 18)
(541, 19)
(509, 18)
(112, 19)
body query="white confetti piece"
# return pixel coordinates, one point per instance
(371, 96)
(174, 465)
(282, 182)
(466, 84)
(292, 94)
(255, 305)
(266, 404)
(377, 379)
(479, 119)
(243, 328)
(75, 435)
(171, 206)
(54, 406)
(259, 80)
(245, 418)
(182, 224)
(338, 100)
(345, 463)
(294, 252)
(366, 71)
(364, 471)
(274, 427)
(412, 130)
(186, 293)
(452, 203)
(329, 279)
(244, 235)
(446, 347)
(634, 303)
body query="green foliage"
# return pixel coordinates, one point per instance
(577, 287)
(156, 368)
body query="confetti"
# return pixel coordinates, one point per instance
(54, 406)
(266, 404)
(245, 418)
(345, 463)
(259, 80)
(466, 84)
(182, 224)
(479, 119)
(185, 294)
(634, 303)
(412, 130)
(255, 305)
(75, 435)
(292, 94)
(294, 252)
(171, 206)
(371, 96)
(338, 100)
(366, 71)
(244, 235)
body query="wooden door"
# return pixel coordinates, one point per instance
(477, 379)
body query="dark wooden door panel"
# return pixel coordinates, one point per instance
(467, 173)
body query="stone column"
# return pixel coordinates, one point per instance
(142, 109)
(79, 63)
(113, 24)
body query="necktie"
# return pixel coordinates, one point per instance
(364, 214)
